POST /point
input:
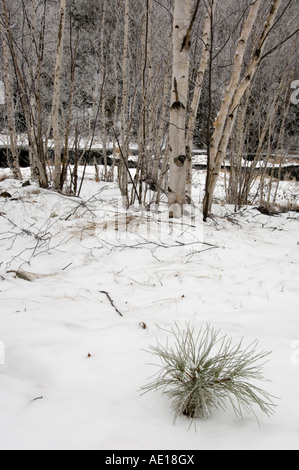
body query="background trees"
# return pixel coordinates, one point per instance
(84, 73)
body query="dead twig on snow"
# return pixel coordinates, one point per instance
(111, 301)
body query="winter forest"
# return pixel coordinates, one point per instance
(149, 228)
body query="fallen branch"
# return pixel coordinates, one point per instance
(111, 301)
(30, 277)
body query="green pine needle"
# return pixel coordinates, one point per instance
(202, 371)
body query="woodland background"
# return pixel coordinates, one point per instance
(80, 75)
(114, 114)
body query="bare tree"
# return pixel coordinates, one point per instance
(191, 124)
(108, 71)
(122, 170)
(8, 87)
(235, 92)
(26, 66)
(56, 96)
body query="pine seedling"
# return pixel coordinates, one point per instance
(201, 372)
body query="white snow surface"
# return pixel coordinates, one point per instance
(74, 367)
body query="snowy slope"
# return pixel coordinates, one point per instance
(73, 366)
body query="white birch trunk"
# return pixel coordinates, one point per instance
(226, 103)
(227, 116)
(177, 127)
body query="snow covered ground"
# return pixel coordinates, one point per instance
(71, 367)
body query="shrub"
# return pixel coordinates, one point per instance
(202, 371)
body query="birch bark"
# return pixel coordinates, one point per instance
(177, 127)
(235, 92)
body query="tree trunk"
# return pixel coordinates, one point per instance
(206, 36)
(25, 99)
(146, 126)
(226, 103)
(235, 92)
(65, 162)
(122, 168)
(12, 134)
(56, 96)
(104, 94)
(177, 127)
(160, 148)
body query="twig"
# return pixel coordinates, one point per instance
(127, 168)
(111, 301)
(36, 399)
(67, 266)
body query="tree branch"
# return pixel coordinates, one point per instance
(280, 44)
(186, 42)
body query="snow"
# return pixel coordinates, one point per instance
(74, 367)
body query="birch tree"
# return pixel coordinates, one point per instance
(177, 127)
(237, 87)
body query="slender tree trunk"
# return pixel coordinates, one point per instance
(206, 36)
(209, 116)
(104, 100)
(115, 113)
(160, 148)
(32, 79)
(220, 122)
(146, 130)
(25, 100)
(56, 96)
(235, 92)
(65, 162)
(12, 134)
(122, 168)
(177, 127)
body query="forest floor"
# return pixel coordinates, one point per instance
(86, 289)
